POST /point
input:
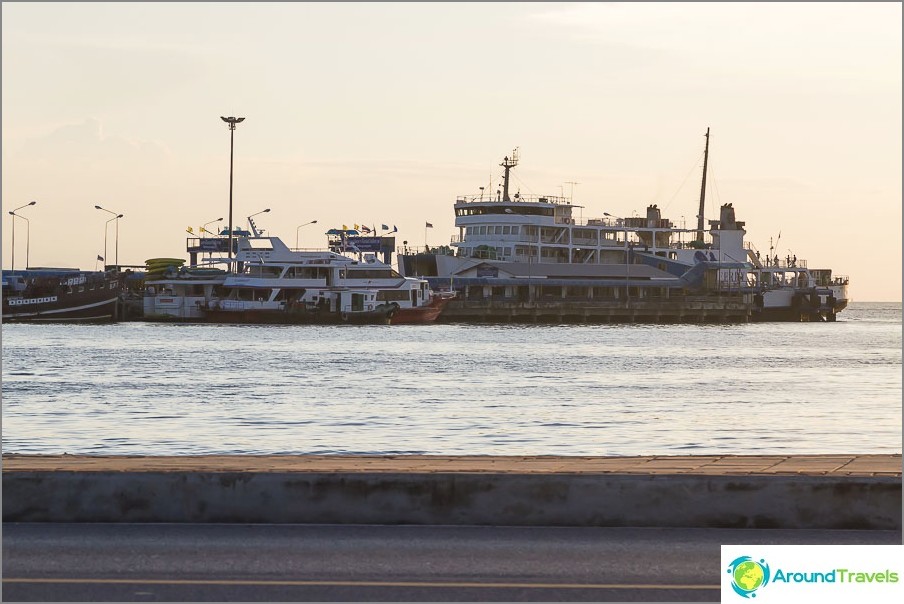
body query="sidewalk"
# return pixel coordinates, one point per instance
(772, 491)
(813, 465)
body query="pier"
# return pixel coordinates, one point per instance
(700, 491)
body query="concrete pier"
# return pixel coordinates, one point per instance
(774, 491)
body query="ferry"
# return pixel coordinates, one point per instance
(532, 258)
(57, 295)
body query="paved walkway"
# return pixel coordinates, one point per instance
(709, 465)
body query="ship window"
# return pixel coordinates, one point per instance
(497, 230)
(508, 251)
(469, 230)
(515, 230)
(506, 230)
(481, 230)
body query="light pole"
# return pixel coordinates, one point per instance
(251, 224)
(232, 121)
(204, 228)
(28, 236)
(298, 228)
(116, 217)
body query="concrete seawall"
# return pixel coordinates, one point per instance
(821, 491)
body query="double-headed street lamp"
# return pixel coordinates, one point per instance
(204, 228)
(232, 121)
(298, 228)
(116, 217)
(27, 236)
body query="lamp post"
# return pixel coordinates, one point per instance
(298, 228)
(232, 121)
(204, 228)
(253, 229)
(27, 237)
(116, 217)
(627, 254)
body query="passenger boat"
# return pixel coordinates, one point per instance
(56, 295)
(531, 258)
(271, 283)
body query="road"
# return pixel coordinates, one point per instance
(220, 562)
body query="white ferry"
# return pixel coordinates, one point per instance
(271, 283)
(519, 257)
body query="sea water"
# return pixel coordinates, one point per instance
(165, 389)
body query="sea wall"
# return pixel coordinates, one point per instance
(259, 493)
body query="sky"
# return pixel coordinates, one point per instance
(383, 113)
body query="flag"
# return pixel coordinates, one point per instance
(344, 227)
(429, 226)
(395, 229)
(365, 228)
(385, 227)
(99, 257)
(357, 227)
(190, 231)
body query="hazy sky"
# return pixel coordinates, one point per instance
(383, 113)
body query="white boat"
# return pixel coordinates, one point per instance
(271, 283)
(520, 257)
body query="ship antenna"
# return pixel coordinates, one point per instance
(508, 164)
(703, 191)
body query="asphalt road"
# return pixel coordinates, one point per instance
(218, 562)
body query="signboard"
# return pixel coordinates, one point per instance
(209, 244)
(487, 271)
(359, 244)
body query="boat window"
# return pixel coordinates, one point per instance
(515, 230)
(506, 230)
(261, 244)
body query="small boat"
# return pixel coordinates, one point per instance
(56, 295)
(426, 313)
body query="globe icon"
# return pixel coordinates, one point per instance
(748, 575)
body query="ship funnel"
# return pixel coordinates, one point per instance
(727, 220)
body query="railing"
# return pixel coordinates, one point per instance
(518, 198)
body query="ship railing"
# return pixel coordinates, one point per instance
(441, 250)
(486, 198)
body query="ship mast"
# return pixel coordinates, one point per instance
(508, 164)
(702, 191)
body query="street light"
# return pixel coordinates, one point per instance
(250, 224)
(27, 237)
(299, 227)
(116, 217)
(204, 228)
(232, 121)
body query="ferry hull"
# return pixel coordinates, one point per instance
(380, 316)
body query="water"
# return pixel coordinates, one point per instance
(152, 389)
